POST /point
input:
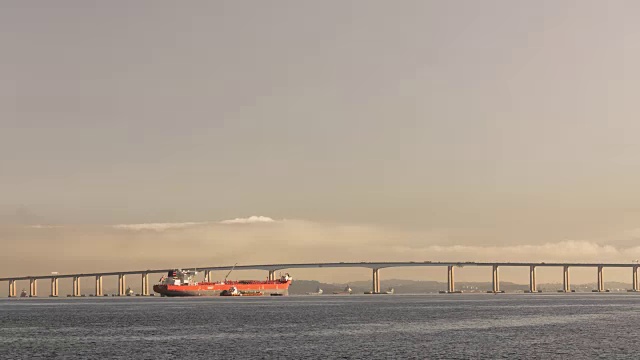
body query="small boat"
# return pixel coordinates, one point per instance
(346, 291)
(388, 292)
(24, 293)
(318, 292)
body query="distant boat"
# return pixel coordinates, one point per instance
(318, 292)
(388, 292)
(346, 291)
(24, 293)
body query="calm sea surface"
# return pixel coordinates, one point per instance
(517, 326)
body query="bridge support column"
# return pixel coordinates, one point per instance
(76, 286)
(12, 288)
(533, 286)
(376, 281)
(54, 287)
(565, 279)
(634, 278)
(122, 285)
(600, 280)
(207, 276)
(496, 279)
(451, 286)
(272, 275)
(145, 284)
(33, 288)
(99, 285)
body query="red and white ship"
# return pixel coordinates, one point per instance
(181, 283)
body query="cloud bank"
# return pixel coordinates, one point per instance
(156, 226)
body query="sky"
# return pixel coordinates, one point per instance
(131, 132)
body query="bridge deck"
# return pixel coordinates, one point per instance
(369, 265)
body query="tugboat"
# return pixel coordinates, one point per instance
(232, 291)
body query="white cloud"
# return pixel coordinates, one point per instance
(249, 220)
(45, 226)
(157, 226)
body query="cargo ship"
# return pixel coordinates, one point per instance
(181, 283)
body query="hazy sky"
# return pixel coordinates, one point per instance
(490, 125)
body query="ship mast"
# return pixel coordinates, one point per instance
(229, 273)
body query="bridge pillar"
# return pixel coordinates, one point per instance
(272, 275)
(54, 287)
(451, 287)
(600, 279)
(565, 279)
(496, 279)
(76, 286)
(533, 286)
(99, 285)
(122, 285)
(634, 279)
(207, 276)
(145, 284)
(376, 281)
(12, 288)
(33, 287)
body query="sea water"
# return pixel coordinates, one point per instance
(453, 326)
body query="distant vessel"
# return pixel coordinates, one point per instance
(388, 292)
(24, 293)
(346, 291)
(181, 283)
(129, 292)
(318, 292)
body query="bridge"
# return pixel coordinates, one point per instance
(374, 266)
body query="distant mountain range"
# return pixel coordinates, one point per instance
(299, 287)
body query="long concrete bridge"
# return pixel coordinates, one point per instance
(374, 266)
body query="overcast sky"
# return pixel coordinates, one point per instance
(434, 123)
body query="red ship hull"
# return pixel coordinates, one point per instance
(214, 289)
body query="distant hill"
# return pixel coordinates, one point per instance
(299, 287)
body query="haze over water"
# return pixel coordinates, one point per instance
(319, 327)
